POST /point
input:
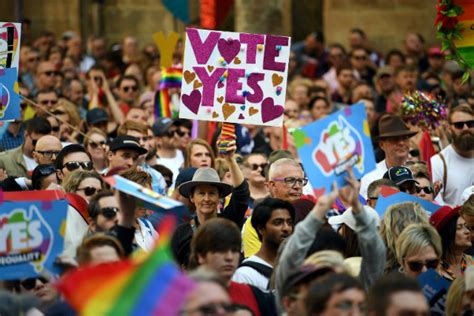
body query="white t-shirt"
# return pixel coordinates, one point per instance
(251, 276)
(174, 164)
(145, 236)
(460, 175)
(370, 177)
(30, 163)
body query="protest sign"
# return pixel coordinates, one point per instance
(10, 35)
(435, 289)
(149, 199)
(327, 147)
(234, 77)
(388, 196)
(31, 237)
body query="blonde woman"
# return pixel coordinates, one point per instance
(85, 183)
(460, 298)
(396, 218)
(199, 154)
(96, 145)
(418, 249)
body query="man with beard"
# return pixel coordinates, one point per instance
(273, 219)
(453, 166)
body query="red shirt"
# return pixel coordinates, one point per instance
(242, 294)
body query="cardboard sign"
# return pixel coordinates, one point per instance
(435, 289)
(389, 196)
(147, 198)
(10, 36)
(31, 237)
(234, 77)
(327, 147)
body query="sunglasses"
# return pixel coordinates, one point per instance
(414, 153)
(55, 128)
(427, 190)
(417, 266)
(48, 153)
(109, 212)
(74, 165)
(51, 73)
(130, 88)
(255, 166)
(460, 125)
(360, 57)
(95, 145)
(49, 102)
(181, 133)
(89, 191)
(30, 283)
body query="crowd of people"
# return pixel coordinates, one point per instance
(258, 241)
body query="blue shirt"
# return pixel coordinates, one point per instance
(9, 141)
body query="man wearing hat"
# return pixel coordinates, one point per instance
(124, 152)
(204, 191)
(403, 178)
(394, 136)
(97, 118)
(384, 85)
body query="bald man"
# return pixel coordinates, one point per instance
(46, 149)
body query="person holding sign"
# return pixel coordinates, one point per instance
(204, 191)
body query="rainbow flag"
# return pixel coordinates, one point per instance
(465, 46)
(170, 78)
(150, 286)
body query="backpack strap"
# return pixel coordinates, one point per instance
(445, 173)
(264, 270)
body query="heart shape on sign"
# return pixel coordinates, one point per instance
(192, 101)
(242, 107)
(220, 99)
(228, 48)
(237, 61)
(215, 114)
(276, 79)
(253, 111)
(197, 84)
(270, 111)
(210, 68)
(220, 84)
(227, 110)
(189, 76)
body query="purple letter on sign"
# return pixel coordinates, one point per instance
(252, 40)
(201, 50)
(233, 86)
(252, 82)
(271, 42)
(208, 83)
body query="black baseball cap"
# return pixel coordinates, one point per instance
(96, 116)
(127, 142)
(399, 175)
(161, 126)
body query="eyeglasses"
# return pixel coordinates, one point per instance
(50, 73)
(130, 88)
(255, 166)
(427, 190)
(211, 309)
(48, 153)
(49, 102)
(30, 283)
(373, 198)
(95, 145)
(414, 153)
(417, 266)
(73, 165)
(291, 181)
(360, 57)
(109, 212)
(460, 125)
(89, 191)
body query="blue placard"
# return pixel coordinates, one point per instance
(31, 238)
(384, 201)
(328, 146)
(435, 289)
(9, 98)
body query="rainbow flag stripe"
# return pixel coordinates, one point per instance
(162, 104)
(170, 78)
(153, 286)
(465, 46)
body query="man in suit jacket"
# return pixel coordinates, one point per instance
(19, 162)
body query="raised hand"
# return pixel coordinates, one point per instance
(325, 202)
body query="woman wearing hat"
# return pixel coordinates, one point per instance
(205, 191)
(456, 239)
